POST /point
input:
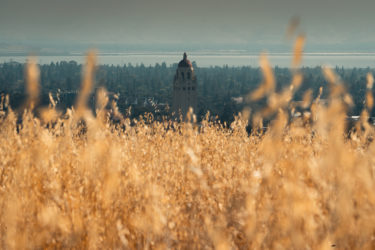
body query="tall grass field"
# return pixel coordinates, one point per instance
(75, 179)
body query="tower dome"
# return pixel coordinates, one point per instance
(185, 62)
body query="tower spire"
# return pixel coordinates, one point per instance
(184, 88)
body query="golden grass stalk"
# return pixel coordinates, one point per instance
(369, 96)
(87, 82)
(298, 50)
(32, 82)
(268, 84)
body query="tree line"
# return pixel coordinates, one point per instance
(221, 90)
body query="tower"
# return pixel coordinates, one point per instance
(184, 88)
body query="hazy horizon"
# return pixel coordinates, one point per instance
(165, 25)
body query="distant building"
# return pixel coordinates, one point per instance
(184, 88)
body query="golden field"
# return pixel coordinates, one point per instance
(77, 180)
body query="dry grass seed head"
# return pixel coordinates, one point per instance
(298, 51)
(268, 84)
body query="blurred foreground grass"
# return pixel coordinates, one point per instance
(78, 180)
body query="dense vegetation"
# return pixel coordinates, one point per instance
(137, 85)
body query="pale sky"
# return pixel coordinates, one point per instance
(326, 23)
